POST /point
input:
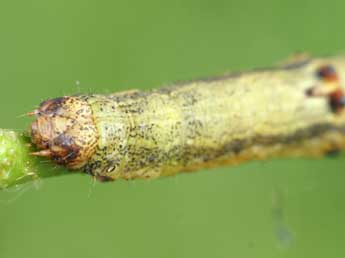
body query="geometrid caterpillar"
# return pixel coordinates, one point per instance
(291, 110)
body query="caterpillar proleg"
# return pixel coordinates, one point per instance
(294, 109)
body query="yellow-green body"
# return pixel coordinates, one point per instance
(206, 123)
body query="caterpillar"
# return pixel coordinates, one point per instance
(294, 109)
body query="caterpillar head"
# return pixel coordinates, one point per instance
(64, 131)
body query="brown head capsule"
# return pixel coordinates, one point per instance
(64, 130)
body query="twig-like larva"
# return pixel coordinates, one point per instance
(296, 109)
(292, 110)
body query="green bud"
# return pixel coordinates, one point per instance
(16, 165)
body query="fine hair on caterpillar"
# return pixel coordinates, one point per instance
(290, 110)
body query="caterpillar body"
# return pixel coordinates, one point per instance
(283, 111)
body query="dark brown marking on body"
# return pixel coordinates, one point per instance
(329, 88)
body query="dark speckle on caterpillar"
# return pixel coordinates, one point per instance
(290, 110)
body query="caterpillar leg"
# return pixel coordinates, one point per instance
(333, 153)
(125, 93)
(296, 60)
(104, 179)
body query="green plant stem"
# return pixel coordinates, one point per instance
(17, 166)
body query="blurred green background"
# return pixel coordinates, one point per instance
(280, 208)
